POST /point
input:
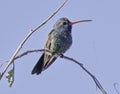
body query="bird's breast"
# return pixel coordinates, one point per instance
(61, 42)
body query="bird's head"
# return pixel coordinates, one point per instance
(65, 24)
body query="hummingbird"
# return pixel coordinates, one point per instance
(59, 40)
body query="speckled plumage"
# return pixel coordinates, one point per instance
(59, 41)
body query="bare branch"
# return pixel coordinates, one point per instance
(28, 35)
(68, 58)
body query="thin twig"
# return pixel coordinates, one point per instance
(93, 77)
(28, 35)
(31, 51)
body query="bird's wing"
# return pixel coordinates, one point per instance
(48, 41)
(48, 59)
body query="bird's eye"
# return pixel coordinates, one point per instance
(64, 23)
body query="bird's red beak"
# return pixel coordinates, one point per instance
(80, 21)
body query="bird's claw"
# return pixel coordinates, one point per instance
(61, 55)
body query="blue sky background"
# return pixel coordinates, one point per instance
(95, 44)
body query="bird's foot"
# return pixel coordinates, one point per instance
(53, 53)
(61, 55)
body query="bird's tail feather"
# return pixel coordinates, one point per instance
(43, 63)
(38, 67)
(49, 62)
